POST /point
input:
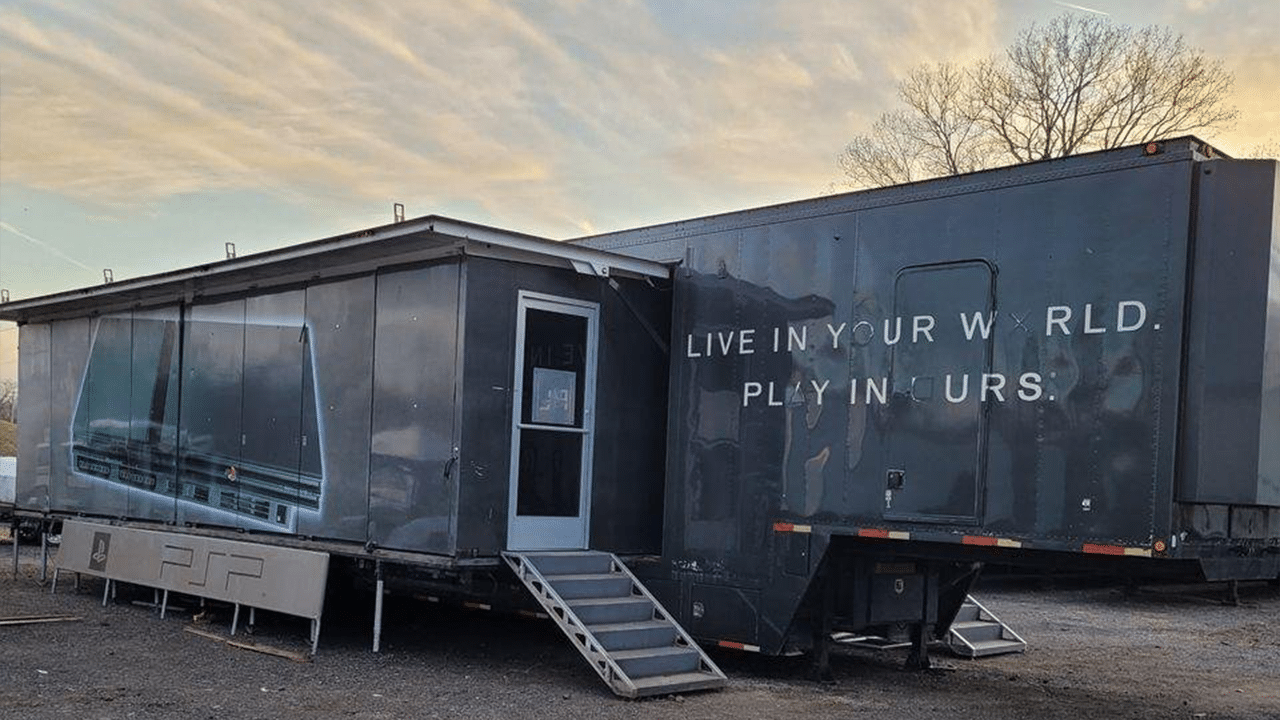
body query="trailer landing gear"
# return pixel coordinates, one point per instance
(918, 658)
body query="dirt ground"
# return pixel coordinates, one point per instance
(1095, 652)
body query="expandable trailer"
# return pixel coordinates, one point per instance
(858, 400)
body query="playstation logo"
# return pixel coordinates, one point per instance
(101, 546)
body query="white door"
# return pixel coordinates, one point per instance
(552, 423)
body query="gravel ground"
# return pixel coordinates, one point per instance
(1095, 652)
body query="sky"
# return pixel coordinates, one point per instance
(142, 135)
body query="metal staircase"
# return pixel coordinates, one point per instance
(976, 632)
(622, 631)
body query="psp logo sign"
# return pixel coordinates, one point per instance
(101, 547)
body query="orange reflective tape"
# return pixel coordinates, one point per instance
(979, 540)
(1103, 549)
(873, 533)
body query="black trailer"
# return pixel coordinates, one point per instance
(789, 421)
(1072, 363)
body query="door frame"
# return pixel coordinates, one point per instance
(571, 533)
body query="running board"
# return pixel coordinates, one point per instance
(977, 632)
(625, 634)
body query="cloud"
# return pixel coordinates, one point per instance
(489, 103)
(546, 117)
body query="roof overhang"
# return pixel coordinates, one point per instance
(411, 241)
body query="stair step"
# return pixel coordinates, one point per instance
(647, 662)
(591, 585)
(978, 630)
(634, 635)
(571, 563)
(623, 633)
(986, 648)
(613, 610)
(677, 682)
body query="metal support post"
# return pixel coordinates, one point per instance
(821, 653)
(377, 611)
(235, 619)
(53, 588)
(106, 592)
(164, 603)
(315, 635)
(918, 658)
(44, 554)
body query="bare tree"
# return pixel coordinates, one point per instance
(1072, 85)
(9, 400)
(936, 135)
(1269, 149)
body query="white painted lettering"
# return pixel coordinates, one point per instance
(690, 352)
(964, 389)
(1121, 325)
(819, 389)
(1057, 315)
(745, 339)
(1089, 329)
(881, 391)
(773, 401)
(725, 342)
(750, 390)
(863, 332)
(922, 325)
(897, 331)
(835, 334)
(1029, 387)
(993, 382)
(976, 323)
(797, 340)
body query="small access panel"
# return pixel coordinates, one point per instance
(552, 423)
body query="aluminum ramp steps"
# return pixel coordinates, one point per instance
(977, 632)
(626, 636)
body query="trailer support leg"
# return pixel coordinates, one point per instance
(253, 620)
(1233, 594)
(53, 587)
(106, 592)
(315, 635)
(918, 658)
(44, 554)
(821, 668)
(164, 603)
(377, 611)
(235, 620)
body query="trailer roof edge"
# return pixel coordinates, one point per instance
(386, 242)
